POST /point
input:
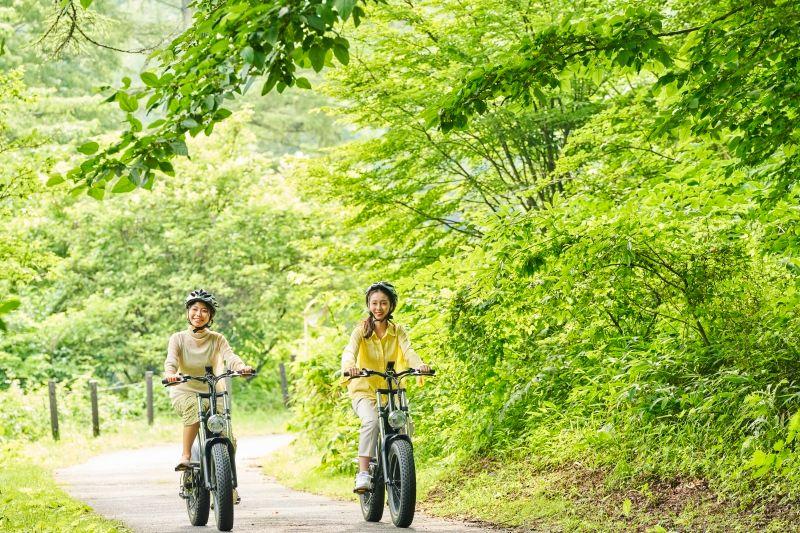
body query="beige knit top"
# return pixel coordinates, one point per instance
(189, 353)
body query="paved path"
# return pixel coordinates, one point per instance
(139, 488)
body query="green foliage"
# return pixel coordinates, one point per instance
(597, 248)
(627, 298)
(218, 58)
(117, 293)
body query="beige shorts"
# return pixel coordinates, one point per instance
(186, 407)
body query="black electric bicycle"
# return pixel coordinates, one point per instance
(394, 454)
(212, 468)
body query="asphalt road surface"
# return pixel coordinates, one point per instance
(140, 488)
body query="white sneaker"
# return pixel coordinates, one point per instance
(363, 482)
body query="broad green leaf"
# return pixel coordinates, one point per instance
(272, 79)
(303, 83)
(179, 148)
(55, 179)
(248, 54)
(123, 185)
(150, 79)
(96, 193)
(222, 113)
(316, 22)
(166, 167)
(127, 102)
(8, 305)
(344, 8)
(189, 123)
(342, 53)
(88, 148)
(316, 55)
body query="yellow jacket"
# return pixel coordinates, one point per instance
(373, 354)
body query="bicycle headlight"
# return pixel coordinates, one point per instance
(397, 419)
(216, 424)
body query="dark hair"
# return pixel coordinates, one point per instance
(368, 324)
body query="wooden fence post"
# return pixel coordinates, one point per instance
(95, 410)
(51, 386)
(148, 380)
(284, 385)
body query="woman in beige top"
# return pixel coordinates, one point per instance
(189, 352)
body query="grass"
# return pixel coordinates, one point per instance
(30, 500)
(297, 466)
(520, 494)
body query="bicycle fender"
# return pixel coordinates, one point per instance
(387, 442)
(389, 439)
(231, 452)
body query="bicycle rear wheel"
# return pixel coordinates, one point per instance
(197, 497)
(372, 501)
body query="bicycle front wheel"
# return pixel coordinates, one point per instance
(223, 494)
(402, 485)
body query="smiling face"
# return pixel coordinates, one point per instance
(199, 314)
(379, 305)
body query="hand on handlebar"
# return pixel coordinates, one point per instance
(170, 379)
(352, 372)
(247, 371)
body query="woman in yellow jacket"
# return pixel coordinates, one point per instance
(373, 343)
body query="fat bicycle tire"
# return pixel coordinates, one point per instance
(372, 501)
(401, 473)
(223, 493)
(198, 498)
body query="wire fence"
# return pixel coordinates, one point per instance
(147, 383)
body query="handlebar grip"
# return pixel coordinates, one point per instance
(346, 374)
(164, 381)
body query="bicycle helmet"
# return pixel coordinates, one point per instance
(204, 296)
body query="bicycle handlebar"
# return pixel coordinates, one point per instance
(205, 379)
(398, 375)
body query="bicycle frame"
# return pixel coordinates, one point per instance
(206, 442)
(206, 439)
(389, 400)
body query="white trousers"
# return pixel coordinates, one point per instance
(368, 434)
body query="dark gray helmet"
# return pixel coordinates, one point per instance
(206, 297)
